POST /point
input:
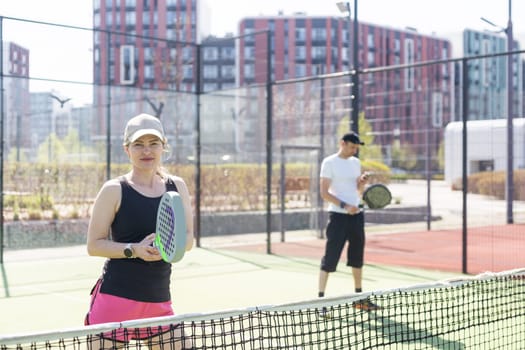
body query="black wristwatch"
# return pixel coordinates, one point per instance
(128, 251)
(342, 205)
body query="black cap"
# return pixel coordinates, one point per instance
(352, 137)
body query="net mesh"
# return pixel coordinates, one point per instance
(481, 312)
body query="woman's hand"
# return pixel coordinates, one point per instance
(146, 250)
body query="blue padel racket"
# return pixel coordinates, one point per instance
(171, 228)
(377, 196)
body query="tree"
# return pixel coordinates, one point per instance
(50, 150)
(403, 156)
(371, 151)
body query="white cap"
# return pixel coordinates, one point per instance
(143, 124)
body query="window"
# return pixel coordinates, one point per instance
(485, 63)
(300, 53)
(130, 18)
(300, 34)
(210, 53)
(228, 52)
(249, 52)
(409, 59)
(371, 58)
(148, 71)
(437, 109)
(370, 40)
(148, 54)
(210, 72)
(227, 71)
(209, 87)
(109, 19)
(249, 71)
(188, 71)
(145, 18)
(318, 52)
(300, 70)
(127, 64)
(227, 86)
(319, 34)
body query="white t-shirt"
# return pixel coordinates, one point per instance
(343, 174)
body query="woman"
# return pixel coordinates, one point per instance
(135, 282)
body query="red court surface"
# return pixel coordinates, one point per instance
(492, 248)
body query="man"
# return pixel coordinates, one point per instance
(342, 183)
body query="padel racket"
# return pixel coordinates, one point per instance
(377, 196)
(171, 228)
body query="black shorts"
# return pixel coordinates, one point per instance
(340, 229)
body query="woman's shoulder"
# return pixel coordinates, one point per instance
(179, 182)
(175, 178)
(112, 185)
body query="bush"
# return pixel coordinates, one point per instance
(54, 191)
(492, 183)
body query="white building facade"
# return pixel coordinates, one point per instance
(486, 147)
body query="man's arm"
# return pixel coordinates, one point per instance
(327, 196)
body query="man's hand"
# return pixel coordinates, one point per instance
(364, 178)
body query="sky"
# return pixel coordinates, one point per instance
(442, 18)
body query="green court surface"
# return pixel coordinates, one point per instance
(48, 289)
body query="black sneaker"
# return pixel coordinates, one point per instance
(365, 304)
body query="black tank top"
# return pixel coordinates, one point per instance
(136, 279)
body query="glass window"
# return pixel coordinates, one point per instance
(188, 71)
(409, 59)
(300, 70)
(249, 52)
(210, 71)
(130, 18)
(228, 52)
(249, 71)
(300, 52)
(127, 64)
(318, 52)
(228, 71)
(300, 34)
(210, 53)
(319, 34)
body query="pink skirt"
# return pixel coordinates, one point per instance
(106, 308)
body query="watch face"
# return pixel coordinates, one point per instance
(128, 253)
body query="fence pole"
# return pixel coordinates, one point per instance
(464, 116)
(269, 104)
(197, 229)
(108, 108)
(2, 117)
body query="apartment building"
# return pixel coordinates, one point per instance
(488, 79)
(17, 137)
(303, 46)
(145, 52)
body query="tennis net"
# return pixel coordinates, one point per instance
(486, 311)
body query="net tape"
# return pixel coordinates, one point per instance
(483, 311)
